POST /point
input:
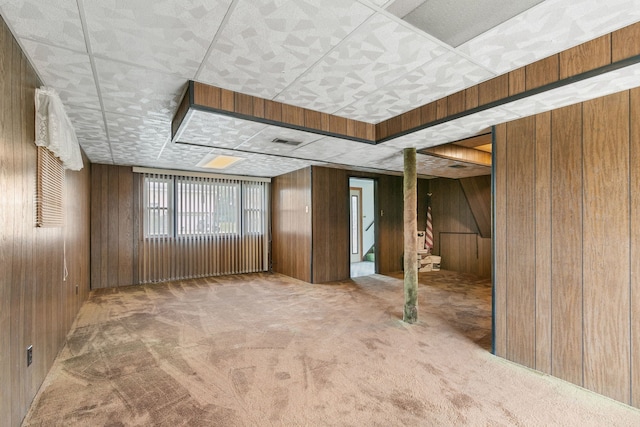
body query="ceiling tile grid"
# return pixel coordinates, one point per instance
(548, 28)
(216, 130)
(377, 53)
(54, 22)
(267, 44)
(440, 77)
(263, 141)
(165, 35)
(68, 71)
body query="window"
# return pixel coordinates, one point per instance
(253, 208)
(158, 197)
(193, 206)
(204, 208)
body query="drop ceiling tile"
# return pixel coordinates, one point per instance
(550, 27)
(165, 35)
(267, 44)
(365, 155)
(144, 131)
(329, 148)
(216, 130)
(431, 165)
(378, 53)
(442, 76)
(67, 71)
(262, 142)
(137, 91)
(90, 131)
(53, 21)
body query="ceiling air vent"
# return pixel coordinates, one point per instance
(457, 166)
(286, 141)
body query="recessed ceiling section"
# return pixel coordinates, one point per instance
(456, 22)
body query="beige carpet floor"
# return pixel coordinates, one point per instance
(267, 350)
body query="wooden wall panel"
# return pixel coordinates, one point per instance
(606, 246)
(112, 227)
(456, 236)
(542, 72)
(37, 306)
(587, 158)
(566, 243)
(543, 242)
(587, 56)
(390, 223)
(291, 224)
(634, 181)
(500, 159)
(477, 192)
(520, 241)
(330, 188)
(624, 42)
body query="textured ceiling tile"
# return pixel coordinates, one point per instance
(170, 36)
(67, 71)
(90, 131)
(430, 165)
(136, 91)
(328, 147)
(365, 155)
(51, 21)
(444, 75)
(379, 52)
(216, 130)
(146, 132)
(263, 142)
(267, 44)
(548, 28)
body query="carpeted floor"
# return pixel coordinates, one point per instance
(264, 349)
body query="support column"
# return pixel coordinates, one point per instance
(410, 243)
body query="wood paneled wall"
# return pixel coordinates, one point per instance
(113, 240)
(37, 306)
(567, 235)
(457, 238)
(291, 224)
(315, 247)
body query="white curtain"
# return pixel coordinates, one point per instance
(54, 130)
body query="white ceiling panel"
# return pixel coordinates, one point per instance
(165, 35)
(267, 44)
(263, 142)
(444, 75)
(216, 130)
(548, 28)
(137, 91)
(329, 148)
(67, 71)
(52, 21)
(377, 53)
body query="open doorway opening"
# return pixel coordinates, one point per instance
(362, 226)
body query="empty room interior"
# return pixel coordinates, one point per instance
(230, 212)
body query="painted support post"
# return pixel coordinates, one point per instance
(410, 242)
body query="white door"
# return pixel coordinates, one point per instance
(355, 197)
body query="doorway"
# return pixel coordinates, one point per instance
(362, 227)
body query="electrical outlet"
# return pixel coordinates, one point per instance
(76, 289)
(29, 355)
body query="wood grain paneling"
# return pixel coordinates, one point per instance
(542, 72)
(500, 160)
(606, 246)
(112, 220)
(37, 304)
(291, 224)
(624, 42)
(520, 241)
(517, 81)
(587, 157)
(456, 103)
(330, 224)
(634, 181)
(543, 242)
(566, 243)
(390, 223)
(477, 191)
(493, 90)
(456, 235)
(587, 56)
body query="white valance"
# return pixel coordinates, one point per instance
(54, 130)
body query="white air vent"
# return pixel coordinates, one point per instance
(286, 141)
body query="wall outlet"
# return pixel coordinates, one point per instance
(29, 355)
(76, 289)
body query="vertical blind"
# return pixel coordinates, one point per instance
(196, 226)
